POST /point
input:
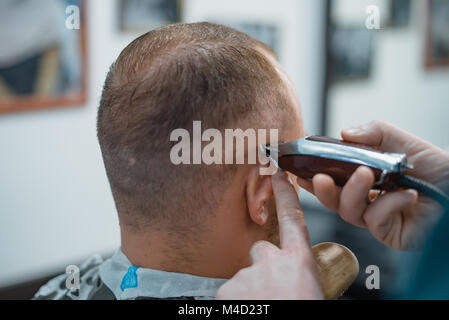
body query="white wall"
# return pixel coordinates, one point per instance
(55, 203)
(400, 90)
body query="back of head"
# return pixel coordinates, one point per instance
(165, 80)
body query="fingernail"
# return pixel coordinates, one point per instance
(412, 193)
(354, 131)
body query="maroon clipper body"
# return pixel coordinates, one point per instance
(316, 154)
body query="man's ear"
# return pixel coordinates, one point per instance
(258, 191)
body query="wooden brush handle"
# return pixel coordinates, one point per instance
(338, 268)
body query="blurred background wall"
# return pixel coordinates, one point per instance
(55, 204)
(399, 88)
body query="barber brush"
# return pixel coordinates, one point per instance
(337, 266)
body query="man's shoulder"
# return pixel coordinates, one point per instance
(91, 286)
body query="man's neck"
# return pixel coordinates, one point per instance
(205, 257)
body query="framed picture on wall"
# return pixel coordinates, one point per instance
(437, 42)
(43, 63)
(400, 11)
(144, 15)
(350, 52)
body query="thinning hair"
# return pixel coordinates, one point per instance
(165, 80)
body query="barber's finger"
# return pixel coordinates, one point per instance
(383, 217)
(326, 191)
(380, 134)
(261, 250)
(292, 225)
(354, 194)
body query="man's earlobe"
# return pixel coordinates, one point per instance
(262, 216)
(258, 191)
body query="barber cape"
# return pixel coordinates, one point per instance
(117, 279)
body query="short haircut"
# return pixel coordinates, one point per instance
(165, 80)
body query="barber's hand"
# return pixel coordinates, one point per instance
(288, 272)
(397, 219)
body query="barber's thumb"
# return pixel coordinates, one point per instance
(367, 134)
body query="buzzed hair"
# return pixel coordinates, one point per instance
(165, 80)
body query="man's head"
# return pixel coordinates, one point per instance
(165, 80)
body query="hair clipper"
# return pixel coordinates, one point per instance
(311, 155)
